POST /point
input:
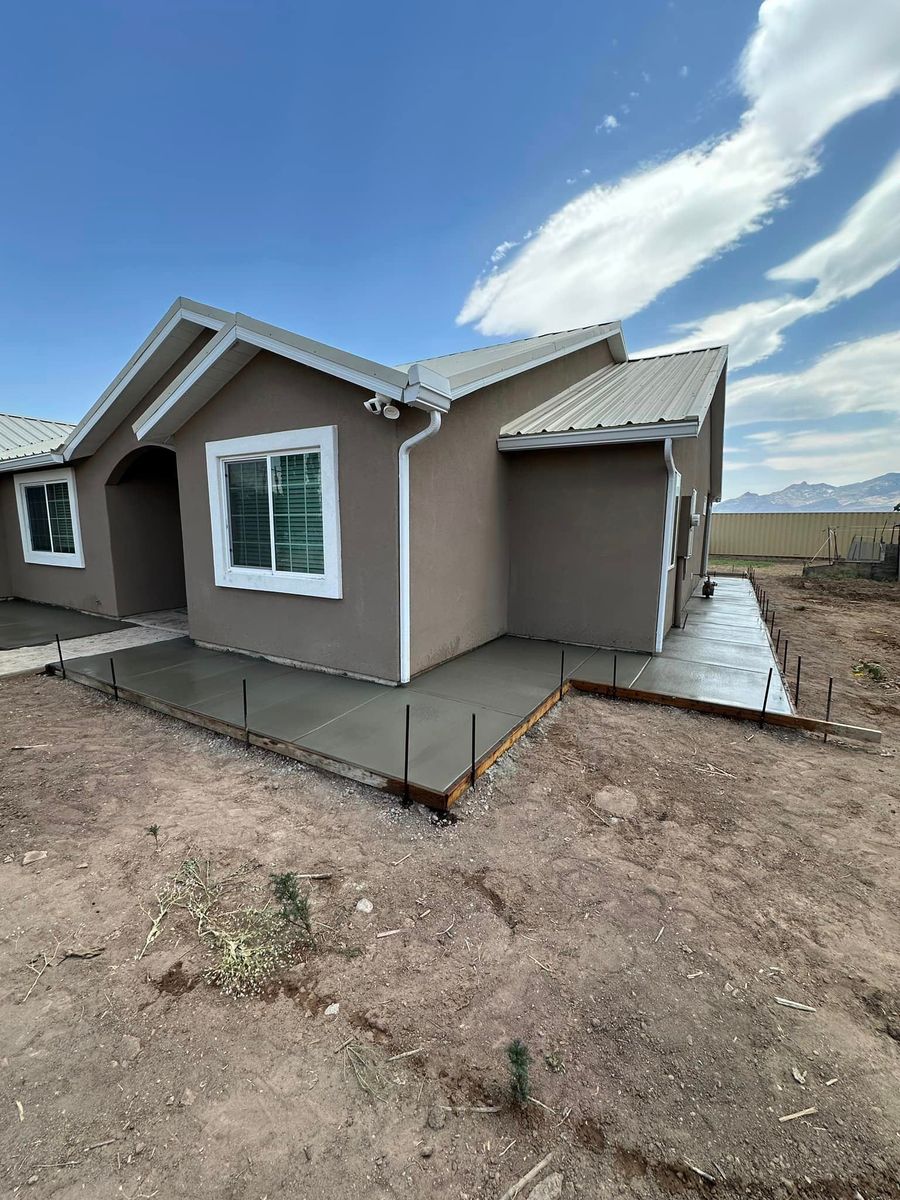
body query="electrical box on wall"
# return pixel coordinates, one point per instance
(688, 520)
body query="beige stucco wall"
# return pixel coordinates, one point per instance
(92, 588)
(459, 537)
(696, 459)
(145, 534)
(357, 634)
(5, 577)
(586, 543)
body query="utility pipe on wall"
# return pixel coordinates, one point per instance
(707, 526)
(434, 424)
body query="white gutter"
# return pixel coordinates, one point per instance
(434, 424)
(44, 459)
(618, 435)
(668, 534)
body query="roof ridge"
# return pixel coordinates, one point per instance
(512, 342)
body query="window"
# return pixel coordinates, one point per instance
(48, 518)
(274, 507)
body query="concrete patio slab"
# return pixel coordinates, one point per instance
(372, 737)
(23, 623)
(722, 652)
(710, 684)
(599, 667)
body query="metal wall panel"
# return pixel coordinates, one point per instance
(795, 535)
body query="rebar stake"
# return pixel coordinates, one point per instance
(62, 665)
(784, 664)
(112, 673)
(828, 705)
(762, 711)
(406, 759)
(797, 684)
(473, 749)
(615, 673)
(562, 671)
(246, 723)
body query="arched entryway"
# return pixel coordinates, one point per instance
(145, 531)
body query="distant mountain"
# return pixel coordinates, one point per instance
(872, 495)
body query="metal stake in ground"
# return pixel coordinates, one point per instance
(777, 641)
(406, 759)
(828, 705)
(473, 749)
(797, 684)
(762, 711)
(62, 665)
(246, 725)
(784, 664)
(772, 623)
(112, 675)
(615, 673)
(562, 672)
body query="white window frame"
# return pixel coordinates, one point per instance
(322, 438)
(49, 558)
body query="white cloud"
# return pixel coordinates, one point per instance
(585, 170)
(683, 72)
(856, 377)
(500, 252)
(608, 124)
(613, 249)
(864, 249)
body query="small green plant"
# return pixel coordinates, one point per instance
(294, 906)
(153, 831)
(554, 1062)
(875, 671)
(519, 1063)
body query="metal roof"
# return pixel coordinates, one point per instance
(467, 370)
(643, 391)
(20, 437)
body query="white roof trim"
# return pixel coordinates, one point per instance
(613, 335)
(181, 310)
(26, 462)
(616, 436)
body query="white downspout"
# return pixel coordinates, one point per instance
(434, 424)
(707, 527)
(668, 533)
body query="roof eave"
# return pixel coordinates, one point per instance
(611, 333)
(619, 435)
(152, 355)
(46, 458)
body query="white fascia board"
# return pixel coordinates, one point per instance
(149, 421)
(44, 459)
(613, 335)
(622, 435)
(366, 374)
(181, 310)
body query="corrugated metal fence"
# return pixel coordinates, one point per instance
(796, 535)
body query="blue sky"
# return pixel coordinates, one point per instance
(349, 171)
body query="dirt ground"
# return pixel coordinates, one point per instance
(627, 892)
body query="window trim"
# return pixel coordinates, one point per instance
(322, 438)
(49, 558)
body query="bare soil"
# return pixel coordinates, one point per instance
(627, 891)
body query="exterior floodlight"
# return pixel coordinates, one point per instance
(391, 411)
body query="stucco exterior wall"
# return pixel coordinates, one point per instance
(586, 530)
(357, 634)
(5, 577)
(693, 457)
(459, 513)
(92, 588)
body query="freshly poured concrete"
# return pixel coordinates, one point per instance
(25, 624)
(722, 657)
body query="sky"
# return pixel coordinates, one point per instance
(406, 180)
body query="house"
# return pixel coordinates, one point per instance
(322, 509)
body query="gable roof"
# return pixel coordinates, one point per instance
(162, 347)
(432, 383)
(27, 437)
(468, 370)
(639, 400)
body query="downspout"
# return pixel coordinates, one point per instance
(707, 526)
(434, 424)
(668, 533)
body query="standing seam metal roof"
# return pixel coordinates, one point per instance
(24, 436)
(642, 391)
